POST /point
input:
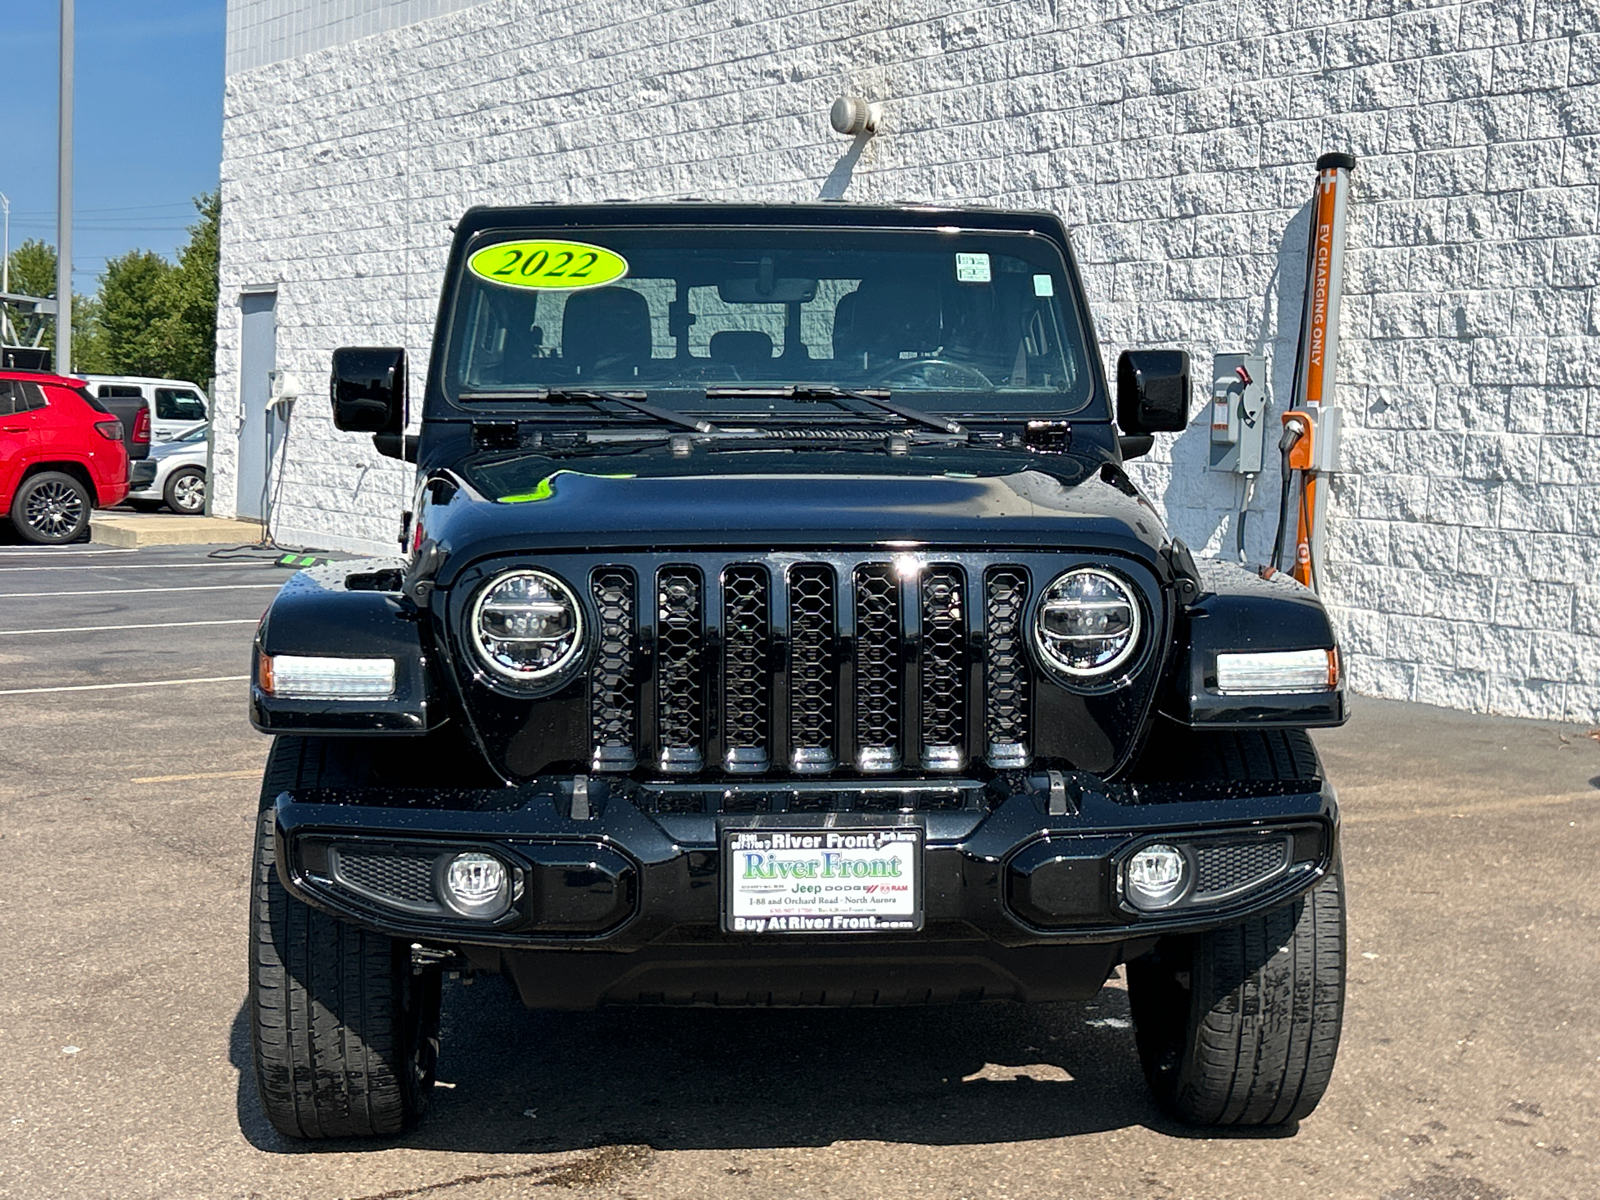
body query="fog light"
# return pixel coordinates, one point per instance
(477, 885)
(1156, 876)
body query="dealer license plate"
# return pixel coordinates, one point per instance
(822, 880)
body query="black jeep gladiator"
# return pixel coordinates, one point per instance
(776, 625)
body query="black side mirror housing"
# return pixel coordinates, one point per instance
(369, 389)
(1153, 391)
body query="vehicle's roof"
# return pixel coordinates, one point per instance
(141, 379)
(40, 377)
(715, 212)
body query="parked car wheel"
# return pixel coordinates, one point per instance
(1240, 1026)
(345, 1034)
(186, 491)
(51, 508)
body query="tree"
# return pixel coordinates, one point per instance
(150, 317)
(134, 314)
(33, 273)
(189, 330)
(33, 268)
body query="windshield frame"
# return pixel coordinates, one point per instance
(824, 221)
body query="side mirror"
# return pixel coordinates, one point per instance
(369, 389)
(1153, 391)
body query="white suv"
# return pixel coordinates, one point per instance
(175, 404)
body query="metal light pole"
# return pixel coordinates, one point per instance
(64, 201)
(5, 272)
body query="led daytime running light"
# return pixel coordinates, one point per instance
(1275, 672)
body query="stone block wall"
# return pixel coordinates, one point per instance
(1176, 139)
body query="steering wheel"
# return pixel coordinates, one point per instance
(910, 365)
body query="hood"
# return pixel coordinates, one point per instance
(988, 499)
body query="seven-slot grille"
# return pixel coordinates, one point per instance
(804, 667)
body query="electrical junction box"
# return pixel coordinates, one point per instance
(1238, 413)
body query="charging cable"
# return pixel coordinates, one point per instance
(1292, 433)
(1244, 513)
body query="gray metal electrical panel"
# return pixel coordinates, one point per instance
(1238, 412)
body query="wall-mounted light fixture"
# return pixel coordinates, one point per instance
(853, 116)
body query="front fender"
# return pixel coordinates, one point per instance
(350, 609)
(1238, 610)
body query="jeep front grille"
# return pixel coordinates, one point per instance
(804, 667)
(680, 673)
(944, 709)
(613, 704)
(878, 668)
(746, 638)
(813, 676)
(1007, 680)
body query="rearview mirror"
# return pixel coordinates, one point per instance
(1153, 391)
(369, 389)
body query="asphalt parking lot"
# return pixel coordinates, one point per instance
(1470, 1068)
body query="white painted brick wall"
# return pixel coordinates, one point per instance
(1176, 139)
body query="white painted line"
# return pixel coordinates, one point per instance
(204, 587)
(106, 687)
(104, 628)
(255, 774)
(152, 567)
(57, 552)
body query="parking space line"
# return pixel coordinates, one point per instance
(106, 687)
(203, 587)
(151, 625)
(54, 552)
(202, 775)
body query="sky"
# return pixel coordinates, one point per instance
(148, 123)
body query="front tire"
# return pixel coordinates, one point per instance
(345, 1034)
(1240, 1026)
(51, 509)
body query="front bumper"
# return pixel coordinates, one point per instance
(142, 475)
(618, 895)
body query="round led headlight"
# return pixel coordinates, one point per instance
(1087, 623)
(527, 626)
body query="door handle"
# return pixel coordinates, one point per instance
(13, 429)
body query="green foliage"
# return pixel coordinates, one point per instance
(134, 313)
(33, 273)
(150, 316)
(33, 268)
(189, 329)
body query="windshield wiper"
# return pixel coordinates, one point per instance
(828, 391)
(631, 400)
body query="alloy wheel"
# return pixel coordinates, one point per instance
(53, 509)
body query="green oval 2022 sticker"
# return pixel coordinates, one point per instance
(547, 264)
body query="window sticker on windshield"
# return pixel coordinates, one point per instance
(1043, 285)
(972, 268)
(548, 264)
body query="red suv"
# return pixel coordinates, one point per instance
(61, 454)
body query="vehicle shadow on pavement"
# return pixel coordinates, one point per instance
(514, 1081)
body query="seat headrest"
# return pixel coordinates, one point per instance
(884, 317)
(606, 331)
(741, 347)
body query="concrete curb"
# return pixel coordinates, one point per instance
(131, 531)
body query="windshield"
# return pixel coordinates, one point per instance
(970, 322)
